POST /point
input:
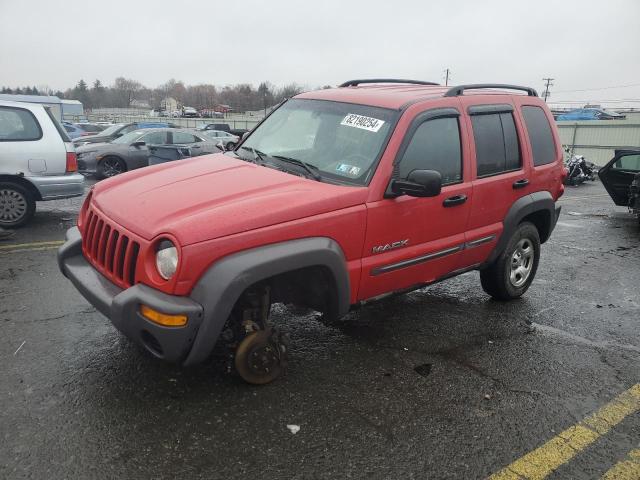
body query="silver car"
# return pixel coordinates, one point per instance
(37, 161)
(227, 139)
(130, 151)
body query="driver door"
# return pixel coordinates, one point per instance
(412, 241)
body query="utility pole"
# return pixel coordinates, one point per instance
(447, 72)
(548, 84)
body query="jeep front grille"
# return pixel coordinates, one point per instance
(109, 249)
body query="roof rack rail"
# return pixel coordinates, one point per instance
(459, 90)
(354, 83)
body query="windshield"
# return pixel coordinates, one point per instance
(342, 140)
(128, 137)
(112, 129)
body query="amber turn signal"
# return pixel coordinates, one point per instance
(162, 318)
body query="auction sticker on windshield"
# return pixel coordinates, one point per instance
(360, 121)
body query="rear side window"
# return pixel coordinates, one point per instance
(540, 135)
(58, 125)
(435, 145)
(183, 137)
(18, 125)
(497, 147)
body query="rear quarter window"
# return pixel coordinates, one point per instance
(18, 125)
(540, 135)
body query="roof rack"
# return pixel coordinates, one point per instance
(354, 83)
(459, 90)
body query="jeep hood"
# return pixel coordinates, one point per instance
(214, 196)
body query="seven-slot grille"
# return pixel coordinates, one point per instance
(110, 250)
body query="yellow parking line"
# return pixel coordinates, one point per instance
(20, 246)
(542, 461)
(628, 469)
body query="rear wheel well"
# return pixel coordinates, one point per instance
(30, 187)
(542, 221)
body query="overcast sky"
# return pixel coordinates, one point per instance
(583, 44)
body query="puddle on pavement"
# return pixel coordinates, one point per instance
(423, 370)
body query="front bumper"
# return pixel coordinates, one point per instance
(122, 307)
(59, 186)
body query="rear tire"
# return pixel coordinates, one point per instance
(511, 274)
(17, 205)
(110, 167)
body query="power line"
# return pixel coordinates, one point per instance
(546, 92)
(600, 88)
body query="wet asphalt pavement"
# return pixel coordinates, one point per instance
(439, 383)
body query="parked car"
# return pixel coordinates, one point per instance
(130, 151)
(223, 127)
(73, 131)
(338, 198)
(621, 178)
(228, 140)
(189, 112)
(91, 128)
(37, 161)
(590, 114)
(118, 130)
(211, 113)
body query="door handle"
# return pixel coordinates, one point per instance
(520, 183)
(455, 200)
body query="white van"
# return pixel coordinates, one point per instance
(37, 161)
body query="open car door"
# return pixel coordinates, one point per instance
(617, 175)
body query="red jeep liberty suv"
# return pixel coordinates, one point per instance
(337, 198)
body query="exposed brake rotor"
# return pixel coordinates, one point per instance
(261, 356)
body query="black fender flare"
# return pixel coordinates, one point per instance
(222, 284)
(524, 206)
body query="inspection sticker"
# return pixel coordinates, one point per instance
(360, 121)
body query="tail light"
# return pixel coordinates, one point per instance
(72, 162)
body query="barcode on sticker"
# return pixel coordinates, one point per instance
(360, 121)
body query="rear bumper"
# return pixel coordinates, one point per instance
(59, 186)
(555, 218)
(122, 307)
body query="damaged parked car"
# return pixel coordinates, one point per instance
(621, 178)
(131, 151)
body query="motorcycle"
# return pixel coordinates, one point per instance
(579, 169)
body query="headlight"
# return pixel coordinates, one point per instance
(167, 259)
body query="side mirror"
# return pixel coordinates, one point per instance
(220, 146)
(138, 144)
(419, 183)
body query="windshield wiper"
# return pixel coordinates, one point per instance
(310, 168)
(257, 154)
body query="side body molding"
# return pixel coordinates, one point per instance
(223, 283)
(524, 206)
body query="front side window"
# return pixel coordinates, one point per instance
(435, 145)
(628, 162)
(540, 135)
(18, 124)
(496, 140)
(342, 141)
